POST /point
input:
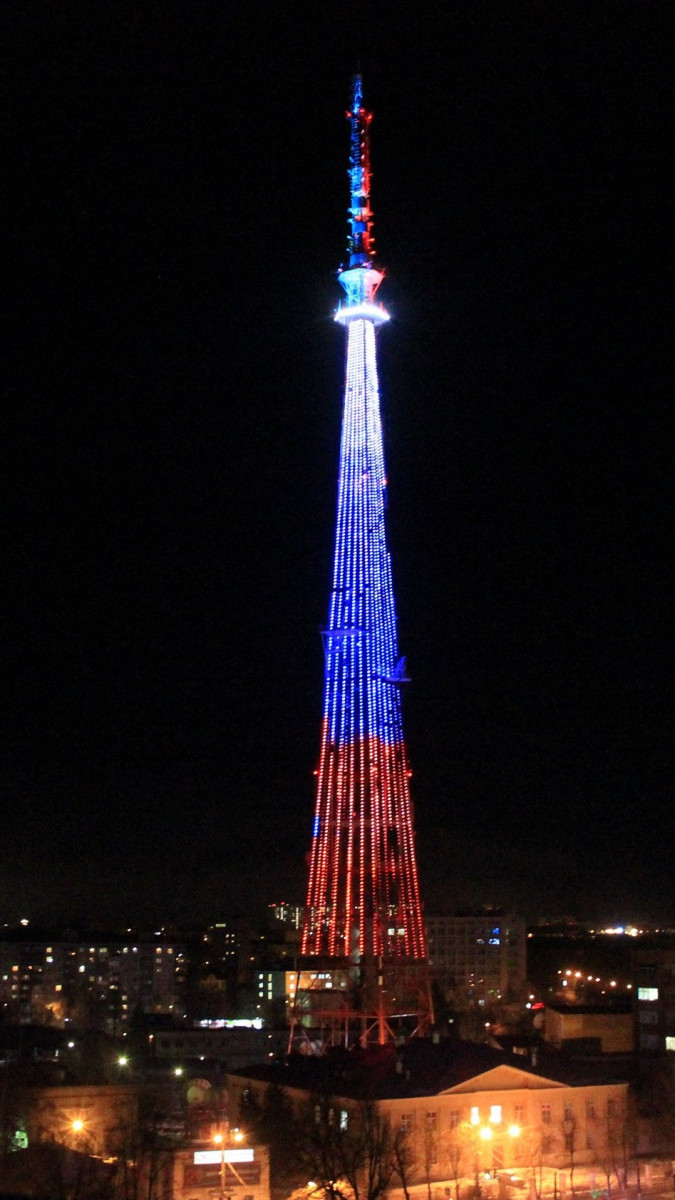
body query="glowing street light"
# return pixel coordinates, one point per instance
(221, 1139)
(78, 1131)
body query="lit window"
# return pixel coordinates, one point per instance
(648, 993)
(496, 1114)
(670, 1042)
(475, 1115)
(344, 1118)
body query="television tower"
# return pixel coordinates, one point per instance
(363, 970)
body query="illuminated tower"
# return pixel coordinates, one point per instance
(363, 942)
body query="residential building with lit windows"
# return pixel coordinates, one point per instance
(478, 957)
(654, 973)
(95, 981)
(215, 960)
(290, 915)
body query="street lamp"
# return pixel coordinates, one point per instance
(221, 1139)
(78, 1131)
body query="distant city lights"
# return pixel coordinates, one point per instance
(574, 979)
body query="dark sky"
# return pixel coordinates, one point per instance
(176, 211)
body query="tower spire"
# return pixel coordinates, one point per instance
(360, 278)
(360, 246)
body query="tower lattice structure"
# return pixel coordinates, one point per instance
(364, 955)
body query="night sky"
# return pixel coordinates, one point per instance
(175, 181)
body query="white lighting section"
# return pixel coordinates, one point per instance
(364, 311)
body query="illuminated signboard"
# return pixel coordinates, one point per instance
(203, 1158)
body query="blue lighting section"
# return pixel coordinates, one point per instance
(361, 701)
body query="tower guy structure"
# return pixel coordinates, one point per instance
(363, 970)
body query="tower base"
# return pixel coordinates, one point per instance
(340, 1002)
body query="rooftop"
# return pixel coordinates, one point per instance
(424, 1067)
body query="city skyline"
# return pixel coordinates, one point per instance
(173, 405)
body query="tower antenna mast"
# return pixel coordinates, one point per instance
(360, 278)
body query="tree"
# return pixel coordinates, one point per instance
(654, 1099)
(618, 1146)
(353, 1152)
(457, 1149)
(273, 1123)
(404, 1159)
(569, 1130)
(321, 1149)
(57, 1171)
(374, 1158)
(144, 1167)
(535, 1144)
(13, 1110)
(429, 1149)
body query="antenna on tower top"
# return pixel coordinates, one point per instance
(361, 244)
(360, 277)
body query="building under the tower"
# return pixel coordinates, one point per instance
(363, 972)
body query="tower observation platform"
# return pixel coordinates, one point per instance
(363, 971)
